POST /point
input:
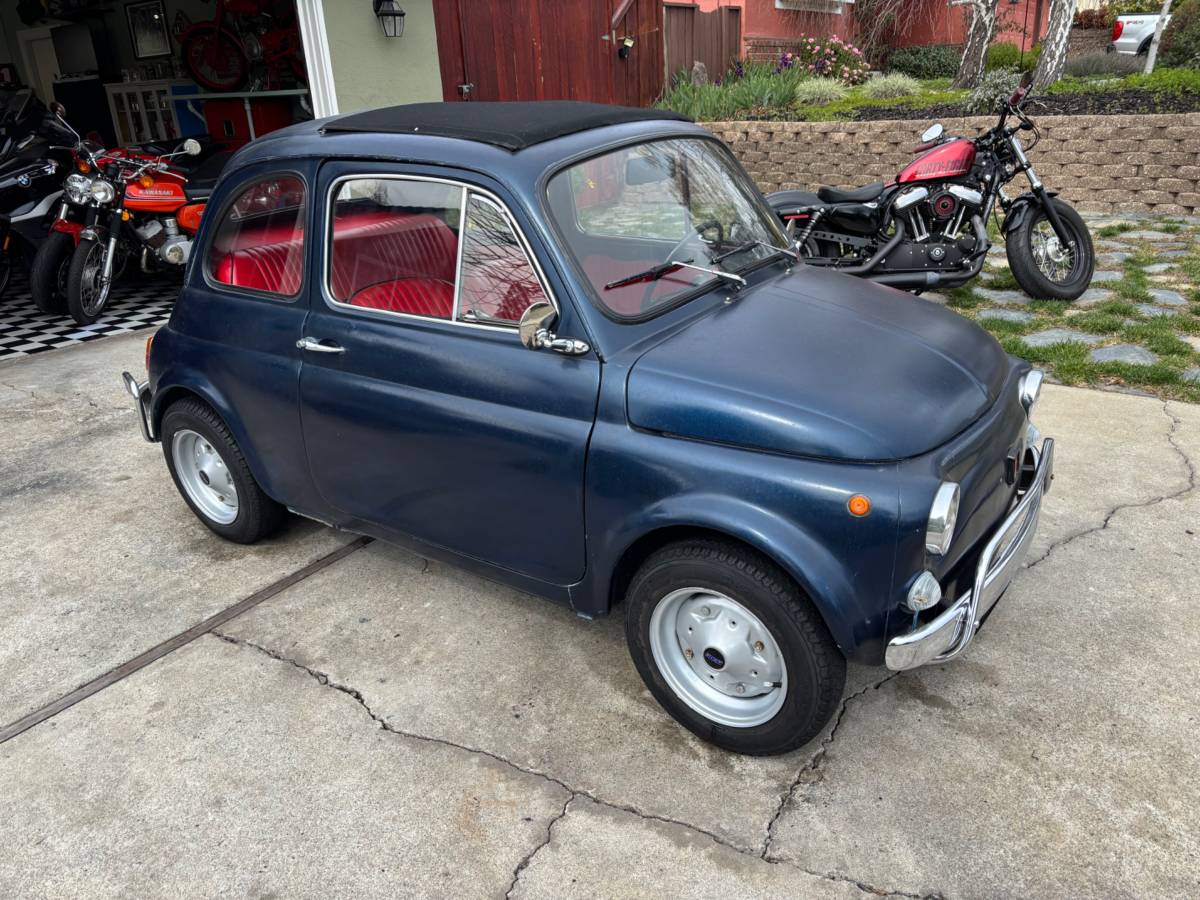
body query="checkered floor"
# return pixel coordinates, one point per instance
(136, 303)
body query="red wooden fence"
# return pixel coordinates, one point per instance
(713, 38)
(550, 50)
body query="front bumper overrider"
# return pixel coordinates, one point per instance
(950, 633)
(141, 401)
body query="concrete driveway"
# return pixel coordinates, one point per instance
(381, 725)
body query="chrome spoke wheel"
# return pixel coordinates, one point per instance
(718, 657)
(204, 476)
(94, 287)
(1053, 260)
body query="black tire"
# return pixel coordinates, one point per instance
(6, 266)
(1018, 247)
(258, 515)
(816, 669)
(88, 254)
(48, 274)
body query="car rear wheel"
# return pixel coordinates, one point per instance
(732, 648)
(212, 475)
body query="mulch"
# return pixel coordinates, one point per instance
(1082, 104)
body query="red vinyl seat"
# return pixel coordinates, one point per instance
(277, 268)
(416, 296)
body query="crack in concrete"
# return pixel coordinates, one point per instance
(573, 792)
(1176, 422)
(528, 857)
(810, 771)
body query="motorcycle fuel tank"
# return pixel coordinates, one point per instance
(162, 195)
(947, 160)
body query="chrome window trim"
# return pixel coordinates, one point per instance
(467, 189)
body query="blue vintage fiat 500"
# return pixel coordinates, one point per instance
(567, 346)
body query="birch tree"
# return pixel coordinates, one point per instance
(1152, 56)
(979, 36)
(1054, 45)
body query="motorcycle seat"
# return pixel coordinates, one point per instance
(781, 201)
(854, 195)
(203, 179)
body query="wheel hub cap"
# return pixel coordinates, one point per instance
(204, 476)
(718, 657)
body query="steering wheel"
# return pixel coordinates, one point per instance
(697, 229)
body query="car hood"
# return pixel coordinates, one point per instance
(824, 365)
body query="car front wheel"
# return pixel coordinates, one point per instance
(732, 648)
(212, 475)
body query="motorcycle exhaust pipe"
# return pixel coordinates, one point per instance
(144, 261)
(880, 254)
(933, 279)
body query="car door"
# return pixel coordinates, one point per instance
(421, 410)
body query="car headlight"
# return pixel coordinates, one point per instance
(1031, 388)
(77, 188)
(102, 191)
(943, 515)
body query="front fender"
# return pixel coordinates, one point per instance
(1019, 209)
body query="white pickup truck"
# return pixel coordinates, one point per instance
(1132, 34)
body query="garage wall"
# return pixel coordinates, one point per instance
(1148, 163)
(372, 70)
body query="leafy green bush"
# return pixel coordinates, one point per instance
(1167, 81)
(995, 85)
(1008, 56)
(1181, 38)
(896, 84)
(1129, 7)
(819, 91)
(928, 61)
(825, 58)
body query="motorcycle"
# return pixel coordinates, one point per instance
(220, 53)
(927, 228)
(29, 188)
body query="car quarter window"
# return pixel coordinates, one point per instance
(394, 245)
(259, 243)
(498, 280)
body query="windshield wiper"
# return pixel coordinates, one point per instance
(657, 272)
(750, 245)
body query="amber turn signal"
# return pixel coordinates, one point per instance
(146, 181)
(149, 343)
(83, 167)
(125, 217)
(858, 505)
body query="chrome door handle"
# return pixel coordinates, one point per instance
(317, 347)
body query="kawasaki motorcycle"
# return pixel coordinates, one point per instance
(927, 229)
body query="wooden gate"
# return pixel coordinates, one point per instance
(550, 50)
(713, 38)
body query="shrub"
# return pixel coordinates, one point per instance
(1092, 18)
(1129, 7)
(1181, 38)
(1167, 81)
(1102, 64)
(896, 84)
(819, 91)
(1008, 56)
(928, 61)
(826, 58)
(995, 85)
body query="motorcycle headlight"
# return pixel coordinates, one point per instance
(78, 188)
(943, 515)
(102, 191)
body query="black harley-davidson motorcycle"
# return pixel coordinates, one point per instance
(927, 229)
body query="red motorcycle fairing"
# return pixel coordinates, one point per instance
(949, 160)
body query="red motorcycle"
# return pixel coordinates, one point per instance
(927, 229)
(242, 37)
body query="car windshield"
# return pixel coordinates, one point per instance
(641, 219)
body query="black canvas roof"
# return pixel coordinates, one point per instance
(512, 126)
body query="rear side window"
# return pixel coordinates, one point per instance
(259, 244)
(395, 245)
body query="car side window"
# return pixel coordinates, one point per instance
(394, 245)
(259, 244)
(498, 280)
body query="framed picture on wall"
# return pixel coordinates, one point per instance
(148, 28)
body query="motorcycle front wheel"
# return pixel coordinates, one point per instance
(48, 275)
(6, 265)
(1043, 267)
(87, 290)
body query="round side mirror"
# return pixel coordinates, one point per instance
(932, 133)
(536, 322)
(58, 109)
(191, 147)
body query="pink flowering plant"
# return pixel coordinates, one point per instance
(829, 57)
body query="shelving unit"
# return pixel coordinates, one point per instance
(144, 110)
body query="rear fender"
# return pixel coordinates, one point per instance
(67, 227)
(1019, 209)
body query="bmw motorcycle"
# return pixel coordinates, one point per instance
(927, 229)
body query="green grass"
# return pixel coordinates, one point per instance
(1111, 231)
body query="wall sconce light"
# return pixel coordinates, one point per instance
(390, 16)
(624, 47)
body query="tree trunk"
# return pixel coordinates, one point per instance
(1152, 56)
(1054, 45)
(979, 36)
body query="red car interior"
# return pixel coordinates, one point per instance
(632, 299)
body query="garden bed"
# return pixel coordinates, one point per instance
(1087, 103)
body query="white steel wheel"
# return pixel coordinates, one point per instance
(718, 657)
(204, 476)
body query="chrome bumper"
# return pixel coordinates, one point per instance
(949, 634)
(141, 401)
